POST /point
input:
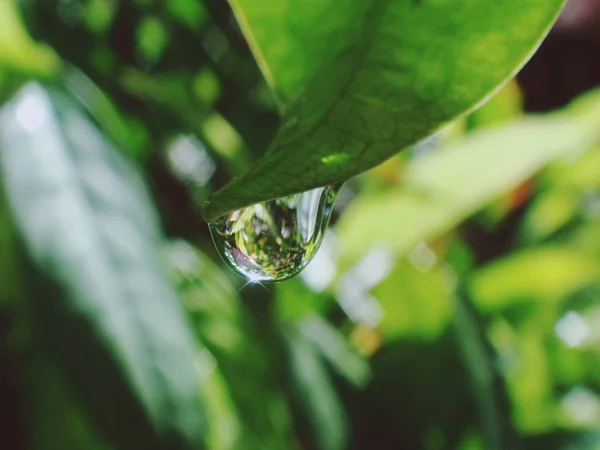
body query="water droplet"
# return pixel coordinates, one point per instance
(275, 240)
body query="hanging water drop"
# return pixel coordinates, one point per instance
(275, 240)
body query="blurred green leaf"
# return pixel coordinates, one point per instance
(152, 38)
(566, 193)
(189, 12)
(9, 275)
(547, 214)
(539, 276)
(578, 173)
(442, 188)
(483, 374)
(415, 303)
(128, 133)
(472, 442)
(584, 238)
(224, 427)
(17, 51)
(359, 81)
(147, 57)
(295, 301)
(54, 418)
(98, 288)
(335, 349)
(244, 372)
(316, 393)
(529, 382)
(504, 106)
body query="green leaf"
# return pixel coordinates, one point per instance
(529, 380)
(549, 213)
(503, 107)
(150, 58)
(17, 51)
(443, 188)
(9, 275)
(416, 303)
(98, 289)
(360, 80)
(335, 349)
(246, 367)
(543, 276)
(316, 393)
(223, 423)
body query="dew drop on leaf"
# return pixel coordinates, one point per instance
(275, 240)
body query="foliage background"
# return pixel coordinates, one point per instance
(454, 303)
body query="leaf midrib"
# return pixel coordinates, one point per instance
(350, 81)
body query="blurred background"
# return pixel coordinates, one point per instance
(455, 302)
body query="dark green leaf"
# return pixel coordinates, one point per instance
(97, 285)
(9, 275)
(56, 421)
(151, 58)
(361, 80)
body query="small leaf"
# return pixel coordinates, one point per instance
(98, 289)
(359, 80)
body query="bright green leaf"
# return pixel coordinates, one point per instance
(527, 375)
(360, 80)
(548, 214)
(415, 303)
(503, 107)
(17, 50)
(534, 276)
(576, 174)
(98, 289)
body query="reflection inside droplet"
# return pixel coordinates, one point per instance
(275, 240)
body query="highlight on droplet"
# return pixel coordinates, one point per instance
(275, 240)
